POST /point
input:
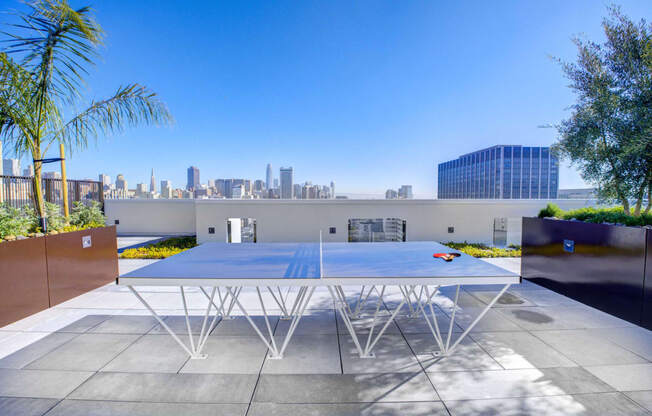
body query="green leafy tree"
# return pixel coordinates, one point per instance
(609, 133)
(47, 55)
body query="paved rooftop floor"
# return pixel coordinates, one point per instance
(536, 352)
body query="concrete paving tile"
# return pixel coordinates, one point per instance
(468, 385)
(105, 408)
(150, 354)
(40, 384)
(26, 355)
(38, 319)
(345, 388)
(239, 326)
(229, 355)
(562, 317)
(586, 348)
(493, 320)
(642, 398)
(513, 264)
(84, 324)
(636, 339)
(126, 324)
(544, 297)
(87, 352)
(168, 388)
(307, 354)
(392, 354)
(349, 409)
(625, 377)
(314, 322)
(467, 356)
(363, 323)
(515, 350)
(507, 300)
(603, 404)
(446, 299)
(419, 325)
(178, 325)
(20, 406)
(18, 340)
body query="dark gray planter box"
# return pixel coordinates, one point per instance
(603, 266)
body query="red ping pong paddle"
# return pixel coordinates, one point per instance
(446, 256)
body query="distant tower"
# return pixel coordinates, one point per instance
(193, 178)
(332, 189)
(152, 183)
(287, 188)
(270, 177)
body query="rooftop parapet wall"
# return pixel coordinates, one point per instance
(301, 220)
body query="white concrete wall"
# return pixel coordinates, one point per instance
(301, 220)
(151, 216)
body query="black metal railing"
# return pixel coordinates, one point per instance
(16, 191)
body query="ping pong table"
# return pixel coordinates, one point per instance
(222, 270)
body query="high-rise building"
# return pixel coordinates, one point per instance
(259, 185)
(405, 192)
(52, 175)
(193, 178)
(275, 183)
(105, 180)
(287, 188)
(332, 189)
(298, 194)
(219, 187)
(11, 167)
(166, 189)
(152, 183)
(270, 176)
(391, 194)
(121, 183)
(500, 172)
(238, 191)
(28, 171)
(141, 190)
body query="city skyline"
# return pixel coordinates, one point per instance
(416, 86)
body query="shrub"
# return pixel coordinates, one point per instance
(56, 220)
(160, 250)
(87, 215)
(483, 250)
(551, 210)
(613, 215)
(14, 221)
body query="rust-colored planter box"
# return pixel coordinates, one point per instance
(41, 272)
(75, 268)
(23, 279)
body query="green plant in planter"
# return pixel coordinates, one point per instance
(56, 221)
(16, 222)
(87, 215)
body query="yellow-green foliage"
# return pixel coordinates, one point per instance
(614, 215)
(481, 250)
(160, 250)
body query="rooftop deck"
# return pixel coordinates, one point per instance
(536, 352)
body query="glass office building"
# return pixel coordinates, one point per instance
(500, 172)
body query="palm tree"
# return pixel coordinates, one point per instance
(42, 71)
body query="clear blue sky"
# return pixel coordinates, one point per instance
(370, 94)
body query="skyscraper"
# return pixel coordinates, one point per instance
(332, 189)
(28, 171)
(152, 183)
(270, 176)
(287, 188)
(166, 189)
(11, 167)
(405, 192)
(121, 183)
(500, 172)
(105, 180)
(193, 178)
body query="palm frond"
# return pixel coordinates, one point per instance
(128, 107)
(59, 45)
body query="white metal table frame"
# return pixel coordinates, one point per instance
(223, 296)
